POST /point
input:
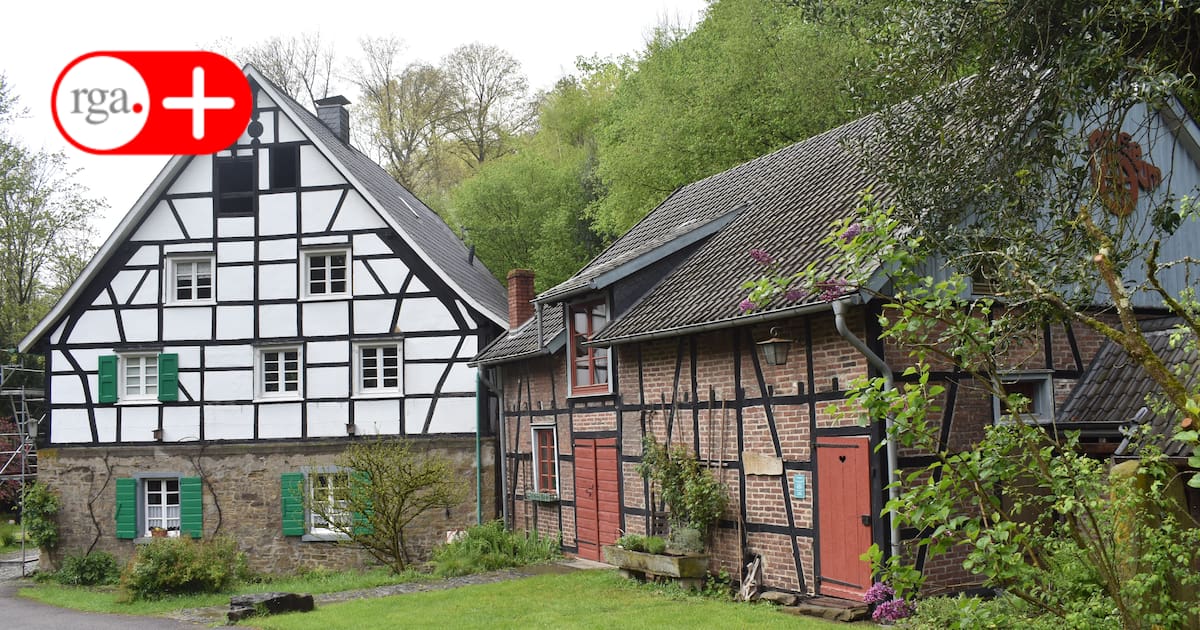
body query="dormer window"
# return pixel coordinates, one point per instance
(589, 370)
(235, 184)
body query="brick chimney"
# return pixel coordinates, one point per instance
(332, 111)
(520, 297)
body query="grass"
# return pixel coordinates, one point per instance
(583, 599)
(9, 531)
(107, 599)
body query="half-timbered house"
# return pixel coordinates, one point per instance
(648, 338)
(255, 311)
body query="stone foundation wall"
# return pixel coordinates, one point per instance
(241, 496)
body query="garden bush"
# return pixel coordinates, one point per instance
(632, 542)
(91, 569)
(489, 547)
(179, 565)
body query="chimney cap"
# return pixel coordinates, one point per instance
(332, 100)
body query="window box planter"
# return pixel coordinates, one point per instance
(541, 497)
(688, 570)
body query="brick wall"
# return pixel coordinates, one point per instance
(241, 496)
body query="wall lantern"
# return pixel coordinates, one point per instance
(775, 350)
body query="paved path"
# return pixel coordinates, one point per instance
(18, 612)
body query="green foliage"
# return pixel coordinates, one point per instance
(719, 586)
(632, 542)
(96, 568)
(970, 613)
(754, 75)
(167, 566)
(655, 545)
(695, 498)
(489, 547)
(40, 515)
(391, 485)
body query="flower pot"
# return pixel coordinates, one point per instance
(685, 566)
(158, 533)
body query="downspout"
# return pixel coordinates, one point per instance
(839, 315)
(481, 405)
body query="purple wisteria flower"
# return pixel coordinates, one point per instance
(854, 229)
(761, 256)
(879, 593)
(795, 295)
(746, 305)
(891, 611)
(833, 289)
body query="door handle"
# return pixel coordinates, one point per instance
(866, 520)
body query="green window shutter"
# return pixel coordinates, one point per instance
(360, 484)
(291, 492)
(168, 377)
(191, 506)
(126, 507)
(107, 368)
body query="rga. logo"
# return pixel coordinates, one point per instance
(176, 102)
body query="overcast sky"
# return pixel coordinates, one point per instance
(40, 37)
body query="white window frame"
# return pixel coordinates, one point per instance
(306, 256)
(537, 469)
(312, 530)
(359, 388)
(1043, 399)
(143, 360)
(582, 391)
(165, 520)
(260, 372)
(170, 289)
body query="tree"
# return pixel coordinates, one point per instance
(406, 111)
(45, 230)
(304, 65)
(755, 75)
(389, 485)
(491, 101)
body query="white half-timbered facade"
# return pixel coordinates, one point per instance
(285, 290)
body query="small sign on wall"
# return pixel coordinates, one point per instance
(798, 485)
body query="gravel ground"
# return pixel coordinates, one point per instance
(10, 564)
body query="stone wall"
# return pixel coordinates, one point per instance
(241, 496)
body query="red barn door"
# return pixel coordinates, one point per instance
(597, 501)
(844, 507)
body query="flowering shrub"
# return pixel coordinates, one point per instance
(891, 611)
(879, 593)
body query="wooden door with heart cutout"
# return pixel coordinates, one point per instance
(844, 516)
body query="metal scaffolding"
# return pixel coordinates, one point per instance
(22, 387)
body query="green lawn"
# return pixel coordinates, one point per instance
(107, 599)
(583, 599)
(9, 531)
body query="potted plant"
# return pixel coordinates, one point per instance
(158, 532)
(694, 497)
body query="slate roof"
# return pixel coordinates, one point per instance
(792, 197)
(1114, 390)
(428, 232)
(523, 342)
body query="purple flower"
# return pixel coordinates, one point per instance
(746, 305)
(854, 229)
(892, 610)
(878, 593)
(761, 256)
(833, 289)
(795, 295)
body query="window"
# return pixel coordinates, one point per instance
(172, 503)
(326, 273)
(379, 369)
(329, 495)
(189, 279)
(1036, 387)
(317, 503)
(137, 377)
(279, 372)
(162, 505)
(235, 184)
(589, 372)
(285, 166)
(545, 444)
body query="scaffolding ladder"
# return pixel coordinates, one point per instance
(18, 441)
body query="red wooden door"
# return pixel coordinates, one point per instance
(844, 507)
(597, 501)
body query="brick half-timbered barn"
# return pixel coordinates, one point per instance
(648, 338)
(253, 313)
